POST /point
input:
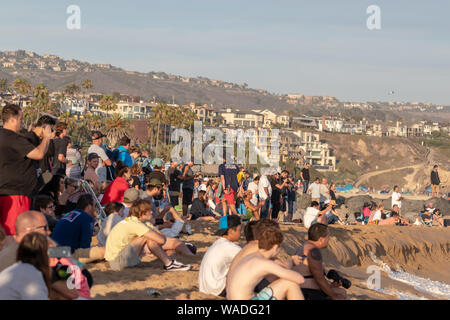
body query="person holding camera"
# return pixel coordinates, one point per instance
(316, 285)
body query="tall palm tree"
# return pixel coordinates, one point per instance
(87, 84)
(116, 127)
(22, 86)
(108, 103)
(72, 89)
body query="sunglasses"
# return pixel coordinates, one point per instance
(45, 227)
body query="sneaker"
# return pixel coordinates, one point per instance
(177, 266)
(191, 247)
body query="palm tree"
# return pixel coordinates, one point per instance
(22, 86)
(71, 89)
(108, 103)
(116, 127)
(87, 84)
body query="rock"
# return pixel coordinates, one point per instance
(442, 204)
(303, 201)
(340, 200)
(356, 203)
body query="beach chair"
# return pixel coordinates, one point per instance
(423, 222)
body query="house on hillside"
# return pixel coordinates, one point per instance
(244, 119)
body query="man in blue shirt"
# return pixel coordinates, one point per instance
(124, 155)
(75, 230)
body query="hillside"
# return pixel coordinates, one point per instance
(383, 162)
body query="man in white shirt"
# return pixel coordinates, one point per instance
(314, 190)
(265, 191)
(96, 147)
(396, 198)
(217, 259)
(313, 215)
(253, 187)
(324, 192)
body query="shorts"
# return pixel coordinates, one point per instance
(88, 255)
(10, 208)
(174, 198)
(126, 258)
(261, 285)
(174, 230)
(314, 294)
(187, 196)
(435, 188)
(264, 294)
(230, 197)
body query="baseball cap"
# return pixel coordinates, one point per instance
(92, 155)
(97, 135)
(227, 222)
(202, 187)
(155, 182)
(130, 195)
(206, 179)
(157, 162)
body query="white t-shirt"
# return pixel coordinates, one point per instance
(22, 281)
(395, 201)
(215, 265)
(309, 216)
(324, 193)
(101, 169)
(315, 190)
(377, 215)
(106, 228)
(253, 187)
(264, 183)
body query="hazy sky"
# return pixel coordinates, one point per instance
(309, 47)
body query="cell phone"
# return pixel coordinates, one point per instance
(59, 252)
(159, 221)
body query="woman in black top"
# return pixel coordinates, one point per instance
(332, 191)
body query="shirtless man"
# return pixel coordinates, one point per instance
(316, 286)
(242, 283)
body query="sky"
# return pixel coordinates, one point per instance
(309, 47)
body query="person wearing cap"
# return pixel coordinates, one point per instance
(331, 215)
(217, 259)
(174, 176)
(104, 161)
(90, 172)
(129, 197)
(154, 189)
(157, 172)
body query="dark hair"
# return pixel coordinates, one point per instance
(249, 231)
(52, 187)
(201, 195)
(317, 231)
(395, 187)
(113, 207)
(10, 111)
(45, 120)
(84, 200)
(136, 169)
(256, 178)
(269, 237)
(121, 169)
(314, 203)
(41, 202)
(67, 139)
(285, 171)
(317, 178)
(33, 250)
(233, 220)
(124, 141)
(435, 166)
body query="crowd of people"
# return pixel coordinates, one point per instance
(59, 212)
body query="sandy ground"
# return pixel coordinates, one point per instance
(420, 251)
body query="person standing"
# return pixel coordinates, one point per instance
(59, 157)
(75, 161)
(396, 198)
(188, 186)
(228, 176)
(304, 175)
(124, 155)
(435, 181)
(18, 177)
(265, 192)
(314, 189)
(174, 177)
(104, 161)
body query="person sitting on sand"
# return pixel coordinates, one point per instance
(252, 210)
(393, 220)
(376, 215)
(114, 214)
(127, 241)
(241, 283)
(217, 259)
(438, 219)
(199, 209)
(313, 214)
(316, 286)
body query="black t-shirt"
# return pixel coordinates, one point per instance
(173, 174)
(45, 163)
(136, 182)
(198, 209)
(276, 192)
(188, 184)
(60, 148)
(305, 173)
(17, 172)
(230, 172)
(332, 195)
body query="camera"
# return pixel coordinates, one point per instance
(334, 275)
